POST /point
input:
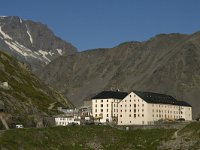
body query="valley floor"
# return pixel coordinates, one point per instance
(100, 137)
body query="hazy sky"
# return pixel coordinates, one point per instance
(89, 24)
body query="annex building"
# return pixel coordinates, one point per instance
(138, 107)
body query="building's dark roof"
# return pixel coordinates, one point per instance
(157, 98)
(111, 94)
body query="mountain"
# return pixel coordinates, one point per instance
(26, 99)
(31, 42)
(166, 63)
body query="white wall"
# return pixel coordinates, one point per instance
(64, 121)
(105, 108)
(134, 110)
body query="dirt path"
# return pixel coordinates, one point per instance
(4, 121)
(51, 105)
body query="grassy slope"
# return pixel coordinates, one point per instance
(27, 94)
(83, 137)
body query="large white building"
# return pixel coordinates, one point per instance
(105, 105)
(138, 107)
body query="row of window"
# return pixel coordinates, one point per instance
(65, 118)
(132, 105)
(107, 115)
(135, 115)
(116, 110)
(166, 116)
(167, 111)
(120, 105)
(115, 101)
(130, 122)
(166, 106)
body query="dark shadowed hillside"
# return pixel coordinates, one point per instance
(167, 63)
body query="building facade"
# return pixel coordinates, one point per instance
(138, 108)
(105, 105)
(64, 120)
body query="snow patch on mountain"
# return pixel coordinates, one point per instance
(5, 36)
(50, 53)
(44, 53)
(28, 32)
(60, 51)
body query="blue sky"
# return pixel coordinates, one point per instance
(89, 24)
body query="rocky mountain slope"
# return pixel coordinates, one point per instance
(31, 42)
(25, 99)
(166, 63)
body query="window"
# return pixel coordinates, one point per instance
(130, 100)
(107, 105)
(101, 110)
(138, 115)
(102, 101)
(142, 110)
(107, 100)
(134, 105)
(125, 105)
(125, 110)
(120, 115)
(142, 105)
(107, 115)
(95, 110)
(121, 105)
(130, 95)
(142, 115)
(134, 110)
(107, 110)
(101, 105)
(134, 115)
(130, 105)
(130, 115)
(130, 110)
(95, 105)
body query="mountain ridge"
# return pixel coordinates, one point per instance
(31, 42)
(166, 63)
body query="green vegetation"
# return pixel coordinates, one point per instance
(193, 129)
(83, 137)
(27, 95)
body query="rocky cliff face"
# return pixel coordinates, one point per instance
(168, 64)
(31, 42)
(23, 96)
